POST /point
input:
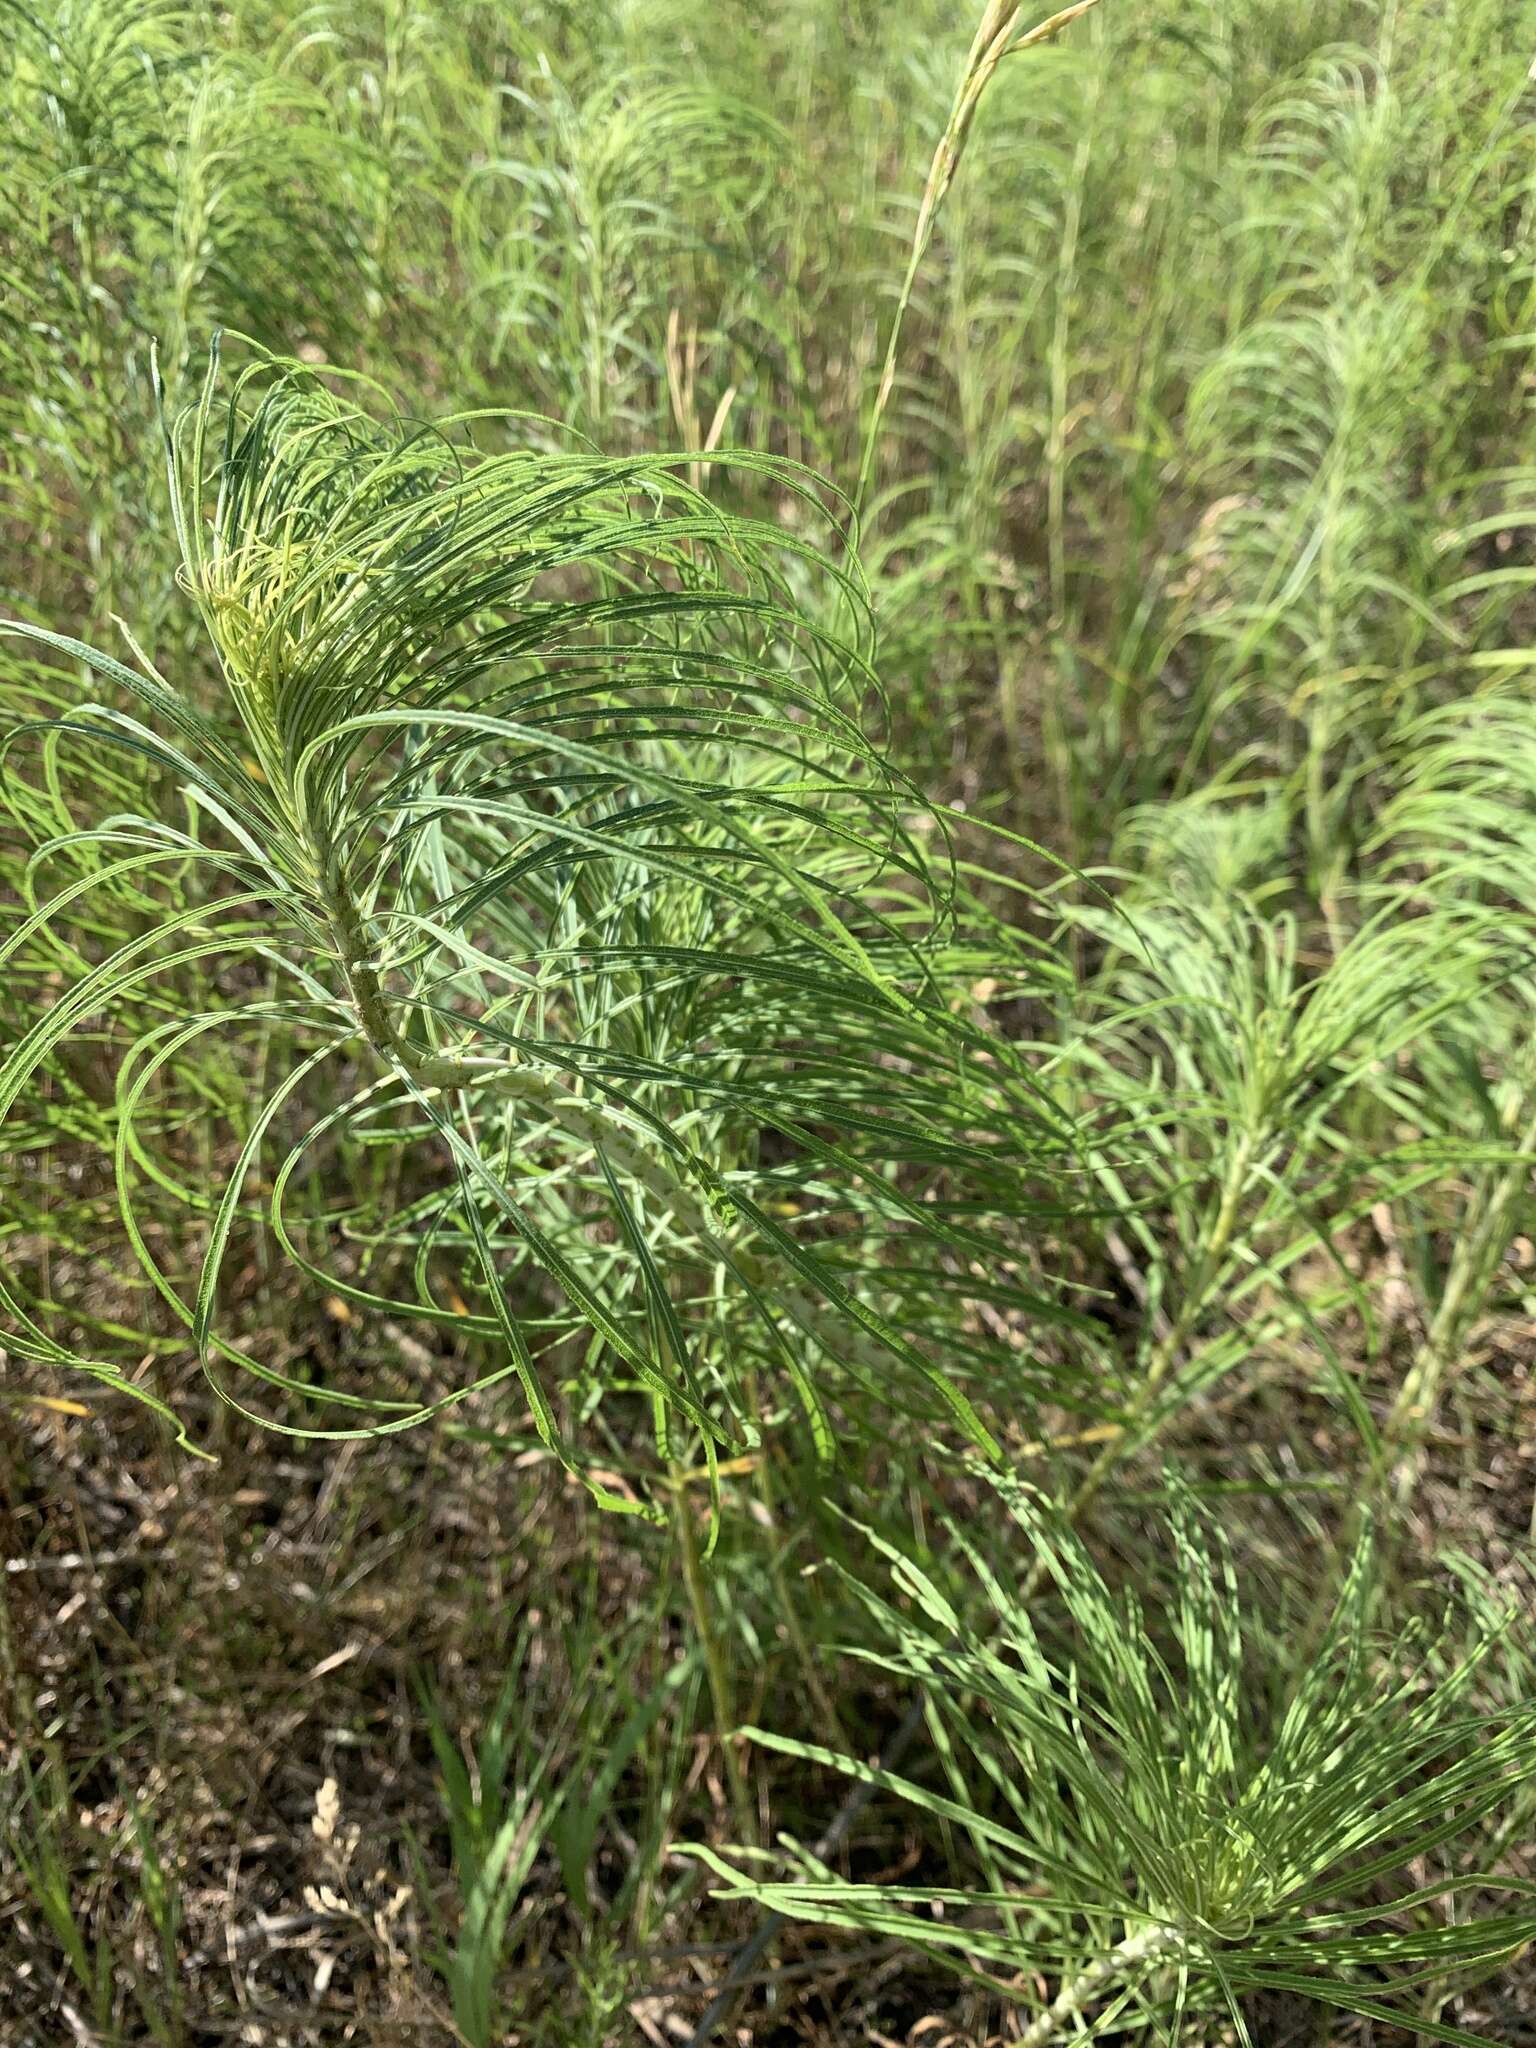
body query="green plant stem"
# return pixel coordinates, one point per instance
(1170, 1346)
(95, 347)
(1061, 374)
(767, 1494)
(996, 37)
(1123, 1961)
(714, 1657)
(1478, 1248)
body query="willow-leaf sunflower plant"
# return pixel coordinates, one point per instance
(1162, 1816)
(532, 828)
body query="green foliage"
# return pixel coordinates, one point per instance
(620, 202)
(545, 784)
(499, 1808)
(1146, 1801)
(809, 753)
(49, 1853)
(531, 1782)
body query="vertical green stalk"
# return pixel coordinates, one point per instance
(1170, 1346)
(361, 976)
(1479, 1246)
(804, 1650)
(102, 522)
(1061, 331)
(391, 93)
(704, 1621)
(1324, 718)
(996, 37)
